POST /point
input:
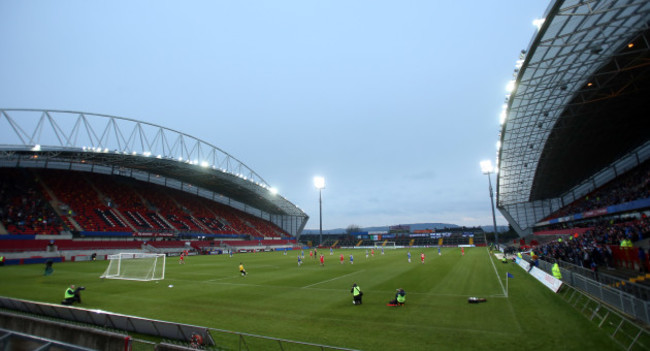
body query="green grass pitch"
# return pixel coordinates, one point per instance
(314, 304)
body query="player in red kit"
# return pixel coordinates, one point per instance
(422, 257)
(342, 259)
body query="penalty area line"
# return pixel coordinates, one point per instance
(329, 280)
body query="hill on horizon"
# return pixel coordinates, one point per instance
(414, 226)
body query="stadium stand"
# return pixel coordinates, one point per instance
(634, 185)
(102, 203)
(23, 209)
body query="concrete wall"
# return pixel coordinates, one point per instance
(71, 334)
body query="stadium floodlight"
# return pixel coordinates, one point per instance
(487, 168)
(319, 183)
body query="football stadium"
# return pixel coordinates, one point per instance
(119, 234)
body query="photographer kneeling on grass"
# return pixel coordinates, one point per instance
(400, 298)
(72, 295)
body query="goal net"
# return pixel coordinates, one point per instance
(135, 266)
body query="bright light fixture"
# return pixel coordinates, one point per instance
(486, 167)
(510, 86)
(538, 23)
(273, 190)
(319, 182)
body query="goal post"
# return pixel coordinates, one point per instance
(135, 266)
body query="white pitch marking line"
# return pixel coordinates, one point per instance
(329, 280)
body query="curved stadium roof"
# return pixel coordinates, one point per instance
(114, 145)
(578, 115)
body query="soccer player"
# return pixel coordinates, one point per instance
(372, 252)
(299, 261)
(351, 259)
(311, 254)
(439, 254)
(302, 253)
(422, 257)
(366, 253)
(331, 251)
(181, 259)
(322, 260)
(242, 270)
(462, 250)
(48, 268)
(409, 256)
(382, 250)
(342, 259)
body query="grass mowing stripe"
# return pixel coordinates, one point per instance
(329, 280)
(314, 304)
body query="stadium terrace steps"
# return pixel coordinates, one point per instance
(108, 203)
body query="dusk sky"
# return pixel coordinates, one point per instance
(394, 103)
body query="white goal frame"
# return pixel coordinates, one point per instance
(136, 266)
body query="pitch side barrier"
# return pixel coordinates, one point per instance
(105, 319)
(621, 301)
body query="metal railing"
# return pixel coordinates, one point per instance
(628, 334)
(622, 301)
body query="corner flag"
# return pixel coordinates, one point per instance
(508, 275)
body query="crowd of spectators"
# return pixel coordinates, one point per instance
(24, 210)
(593, 246)
(632, 186)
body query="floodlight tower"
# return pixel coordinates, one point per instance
(487, 168)
(319, 183)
